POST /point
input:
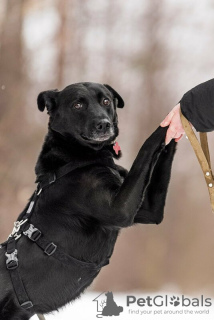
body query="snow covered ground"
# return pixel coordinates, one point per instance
(184, 307)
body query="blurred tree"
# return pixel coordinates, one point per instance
(76, 55)
(62, 41)
(12, 108)
(11, 61)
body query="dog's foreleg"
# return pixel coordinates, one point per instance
(152, 208)
(132, 192)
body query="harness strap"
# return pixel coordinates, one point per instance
(202, 154)
(12, 265)
(51, 249)
(19, 289)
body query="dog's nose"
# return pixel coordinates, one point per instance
(103, 125)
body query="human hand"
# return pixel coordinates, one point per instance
(173, 120)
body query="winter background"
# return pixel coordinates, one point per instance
(151, 52)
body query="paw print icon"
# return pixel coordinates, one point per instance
(174, 301)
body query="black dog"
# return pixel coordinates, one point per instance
(82, 210)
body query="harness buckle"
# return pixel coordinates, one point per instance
(12, 260)
(16, 228)
(50, 249)
(32, 233)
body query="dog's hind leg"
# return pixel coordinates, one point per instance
(40, 316)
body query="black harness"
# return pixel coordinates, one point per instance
(24, 227)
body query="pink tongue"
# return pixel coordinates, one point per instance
(116, 148)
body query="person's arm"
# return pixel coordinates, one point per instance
(197, 105)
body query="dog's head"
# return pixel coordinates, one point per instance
(85, 111)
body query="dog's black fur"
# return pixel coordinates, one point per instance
(83, 211)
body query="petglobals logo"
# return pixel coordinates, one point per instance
(106, 305)
(165, 301)
(151, 305)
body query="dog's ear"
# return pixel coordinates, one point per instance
(47, 99)
(118, 98)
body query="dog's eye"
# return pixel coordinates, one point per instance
(78, 106)
(106, 102)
